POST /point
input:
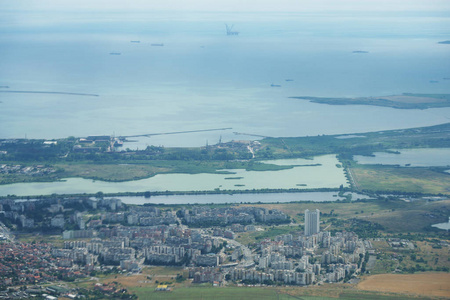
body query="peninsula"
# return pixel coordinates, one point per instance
(403, 101)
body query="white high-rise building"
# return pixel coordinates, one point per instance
(312, 221)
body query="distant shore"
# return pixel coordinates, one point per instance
(49, 92)
(403, 101)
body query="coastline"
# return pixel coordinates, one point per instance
(403, 101)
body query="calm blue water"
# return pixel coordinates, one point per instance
(201, 78)
(324, 175)
(444, 226)
(428, 157)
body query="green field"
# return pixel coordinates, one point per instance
(362, 144)
(126, 171)
(207, 293)
(56, 240)
(424, 257)
(410, 180)
(244, 293)
(390, 214)
(269, 232)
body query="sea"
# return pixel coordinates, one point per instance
(147, 72)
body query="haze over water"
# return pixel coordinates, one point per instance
(202, 79)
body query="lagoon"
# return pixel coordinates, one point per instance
(444, 226)
(429, 157)
(325, 175)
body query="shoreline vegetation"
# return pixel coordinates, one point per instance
(59, 159)
(149, 194)
(403, 101)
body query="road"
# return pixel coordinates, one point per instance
(5, 233)
(248, 257)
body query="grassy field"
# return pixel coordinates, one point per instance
(365, 144)
(392, 215)
(246, 293)
(426, 255)
(210, 293)
(143, 285)
(342, 291)
(434, 256)
(123, 171)
(269, 232)
(412, 180)
(111, 172)
(56, 240)
(424, 284)
(144, 288)
(16, 178)
(417, 216)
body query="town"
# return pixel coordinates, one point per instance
(101, 235)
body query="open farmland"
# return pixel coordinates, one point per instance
(426, 284)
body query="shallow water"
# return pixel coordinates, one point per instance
(327, 175)
(430, 157)
(444, 226)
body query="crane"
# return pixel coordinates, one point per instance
(230, 30)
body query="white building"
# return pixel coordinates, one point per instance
(58, 221)
(312, 221)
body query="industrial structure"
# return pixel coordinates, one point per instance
(230, 30)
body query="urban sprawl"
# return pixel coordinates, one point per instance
(105, 235)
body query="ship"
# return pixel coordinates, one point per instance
(115, 53)
(157, 45)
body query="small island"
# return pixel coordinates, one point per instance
(444, 42)
(360, 51)
(403, 101)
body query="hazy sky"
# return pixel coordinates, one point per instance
(233, 5)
